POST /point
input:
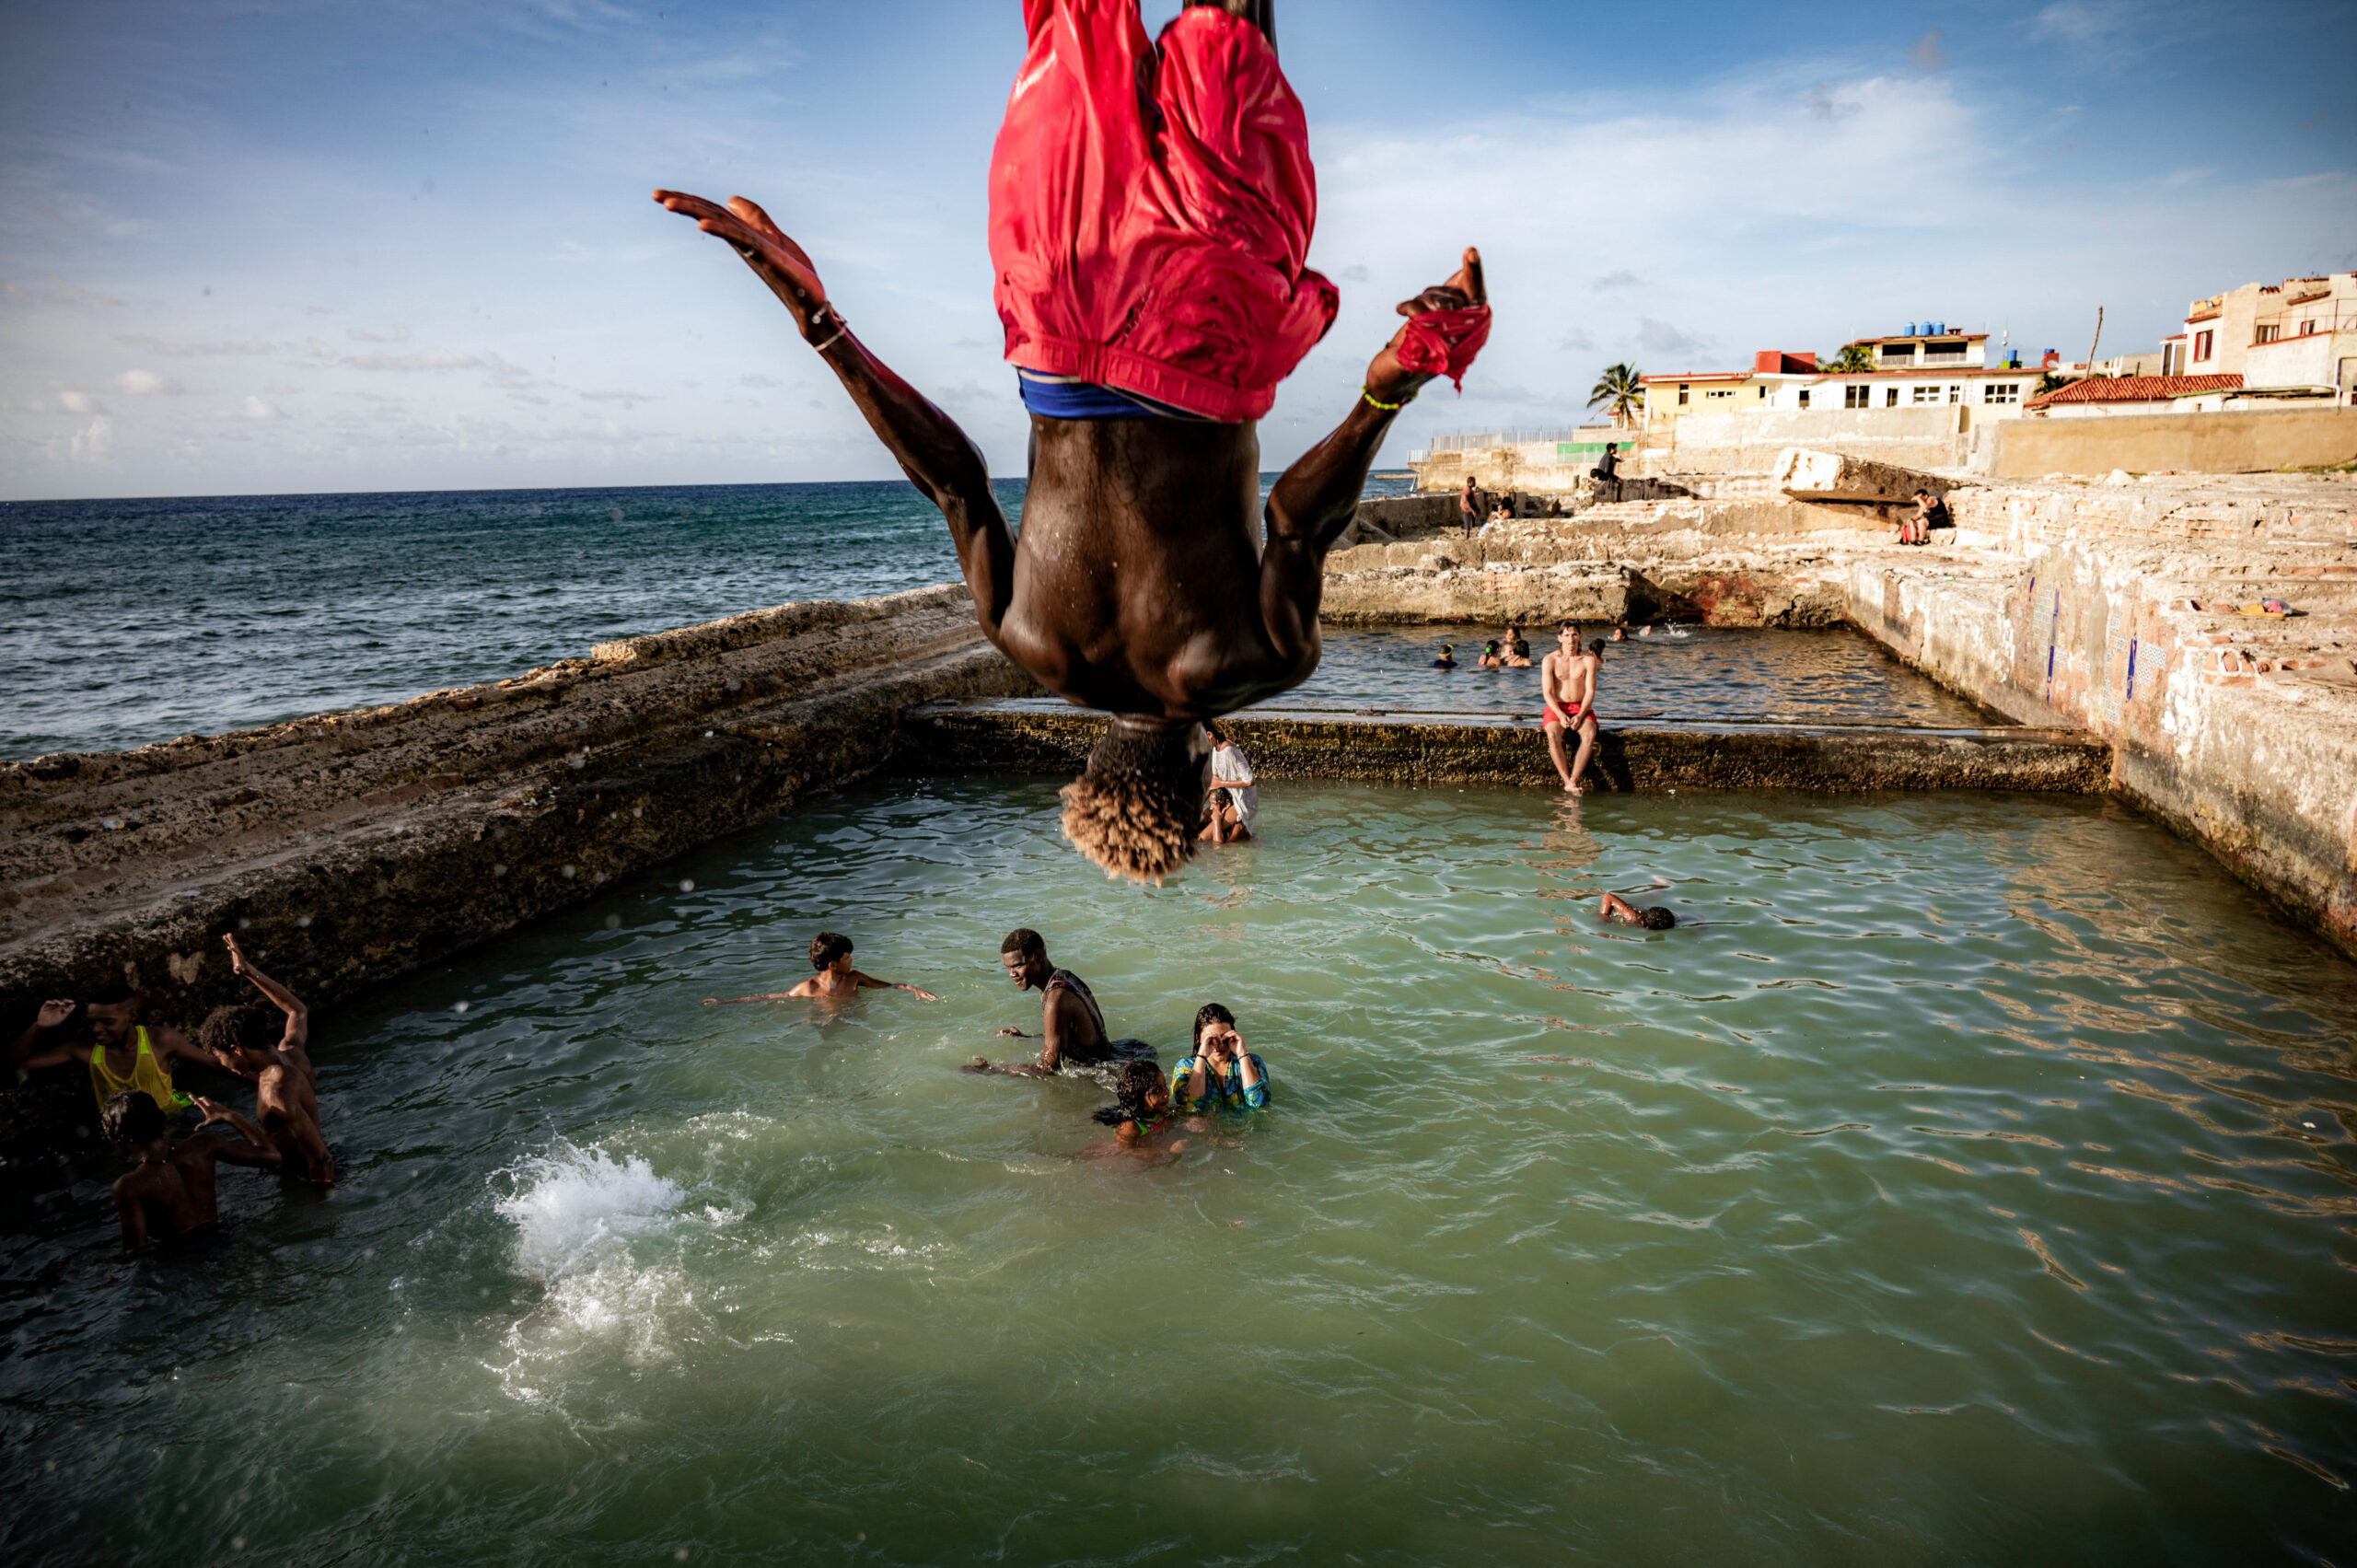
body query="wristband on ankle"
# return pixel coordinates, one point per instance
(1373, 402)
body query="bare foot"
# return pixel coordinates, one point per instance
(978, 1064)
(1385, 378)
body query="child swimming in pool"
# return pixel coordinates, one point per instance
(1655, 917)
(1140, 1115)
(831, 955)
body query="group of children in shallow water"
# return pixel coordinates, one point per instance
(1217, 1073)
(171, 1190)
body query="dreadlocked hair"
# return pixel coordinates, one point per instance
(1134, 810)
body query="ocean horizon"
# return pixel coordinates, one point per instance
(129, 620)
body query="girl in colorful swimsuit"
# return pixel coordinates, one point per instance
(1221, 1075)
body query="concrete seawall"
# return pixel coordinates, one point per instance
(985, 736)
(354, 847)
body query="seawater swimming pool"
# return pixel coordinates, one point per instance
(1972, 1187)
(1743, 675)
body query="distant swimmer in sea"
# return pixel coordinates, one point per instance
(1448, 659)
(1151, 205)
(1567, 692)
(170, 1191)
(1071, 1029)
(831, 955)
(1654, 917)
(1518, 652)
(124, 1054)
(274, 1048)
(1619, 633)
(1491, 658)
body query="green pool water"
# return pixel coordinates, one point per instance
(1974, 1186)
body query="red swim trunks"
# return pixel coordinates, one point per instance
(1150, 208)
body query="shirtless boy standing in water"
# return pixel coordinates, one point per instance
(831, 955)
(285, 1100)
(1151, 205)
(170, 1191)
(1567, 686)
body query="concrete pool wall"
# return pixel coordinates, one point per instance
(356, 847)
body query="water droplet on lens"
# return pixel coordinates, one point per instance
(458, 1006)
(613, 923)
(566, 872)
(304, 921)
(687, 884)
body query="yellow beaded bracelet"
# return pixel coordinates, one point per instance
(1373, 402)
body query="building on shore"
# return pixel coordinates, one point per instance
(2133, 394)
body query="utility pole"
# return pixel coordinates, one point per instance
(2090, 346)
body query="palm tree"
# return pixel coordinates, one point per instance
(1853, 356)
(1620, 390)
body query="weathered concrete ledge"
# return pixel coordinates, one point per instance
(986, 736)
(354, 847)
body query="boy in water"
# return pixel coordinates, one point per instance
(1567, 687)
(1151, 207)
(286, 1103)
(831, 955)
(124, 1052)
(170, 1191)
(1655, 917)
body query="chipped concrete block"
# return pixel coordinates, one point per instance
(1805, 475)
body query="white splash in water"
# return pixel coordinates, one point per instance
(607, 1241)
(574, 1208)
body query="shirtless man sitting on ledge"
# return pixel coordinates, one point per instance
(1151, 205)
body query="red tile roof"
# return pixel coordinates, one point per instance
(2134, 389)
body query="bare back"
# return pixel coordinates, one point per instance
(1138, 572)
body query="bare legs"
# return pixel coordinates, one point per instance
(1572, 770)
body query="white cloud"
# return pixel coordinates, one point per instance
(427, 359)
(255, 409)
(2081, 21)
(146, 383)
(155, 345)
(95, 442)
(57, 291)
(80, 403)
(361, 335)
(1660, 337)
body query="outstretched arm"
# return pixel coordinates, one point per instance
(930, 449)
(869, 983)
(257, 1147)
(52, 1014)
(298, 1018)
(1313, 501)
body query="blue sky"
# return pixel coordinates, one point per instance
(270, 247)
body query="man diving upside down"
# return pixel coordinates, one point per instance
(1151, 210)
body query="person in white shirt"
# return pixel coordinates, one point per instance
(1236, 799)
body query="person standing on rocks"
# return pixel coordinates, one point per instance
(1468, 508)
(1071, 1029)
(1567, 687)
(1150, 208)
